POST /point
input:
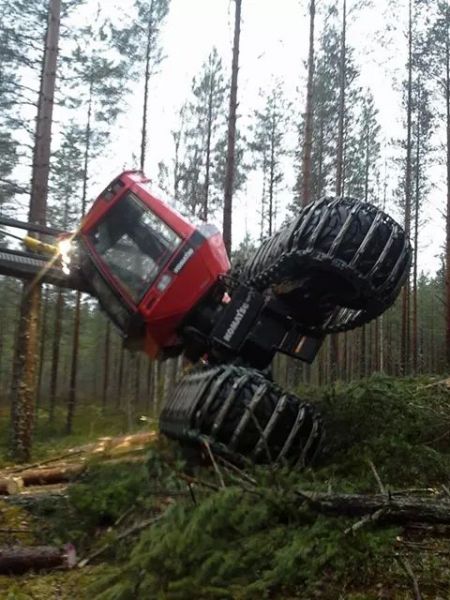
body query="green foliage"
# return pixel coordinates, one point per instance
(103, 494)
(402, 426)
(270, 129)
(67, 177)
(262, 542)
(64, 585)
(107, 491)
(361, 128)
(200, 138)
(237, 545)
(140, 41)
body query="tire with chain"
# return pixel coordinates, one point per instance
(345, 258)
(242, 415)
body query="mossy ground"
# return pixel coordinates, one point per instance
(62, 585)
(258, 541)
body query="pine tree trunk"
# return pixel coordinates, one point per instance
(308, 133)
(149, 385)
(2, 348)
(320, 160)
(23, 390)
(405, 333)
(72, 398)
(380, 354)
(43, 338)
(362, 354)
(334, 340)
(231, 141)
(71, 402)
(148, 53)
(364, 361)
(24, 373)
(208, 153)
(106, 355)
(170, 377)
(176, 162)
(345, 361)
(263, 198)
(137, 378)
(155, 387)
(432, 337)
(55, 353)
(367, 168)
(447, 102)
(120, 377)
(271, 180)
(341, 113)
(416, 247)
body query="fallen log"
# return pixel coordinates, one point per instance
(34, 500)
(15, 560)
(445, 383)
(54, 459)
(55, 475)
(11, 485)
(121, 445)
(52, 475)
(390, 508)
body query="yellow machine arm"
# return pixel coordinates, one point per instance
(37, 246)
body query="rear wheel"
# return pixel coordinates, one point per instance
(339, 265)
(242, 416)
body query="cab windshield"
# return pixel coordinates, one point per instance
(134, 243)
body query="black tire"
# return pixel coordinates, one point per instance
(346, 259)
(242, 415)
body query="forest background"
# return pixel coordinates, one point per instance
(361, 107)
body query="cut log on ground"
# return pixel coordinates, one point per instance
(15, 560)
(55, 475)
(48, 476)
(11, 485)
(35, 499)
(119, 445)
(71, 453)
(122, 444)
(393, 509)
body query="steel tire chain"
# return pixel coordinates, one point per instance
(242, 416)
(257, 274)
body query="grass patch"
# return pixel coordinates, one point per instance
(264, 544)
(67, 585)
(233, 544)
(402, 426)
(51, 439)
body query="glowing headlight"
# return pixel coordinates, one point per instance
(65, 248)
(164, 282)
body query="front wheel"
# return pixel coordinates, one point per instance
(339, 265)
(242, 416)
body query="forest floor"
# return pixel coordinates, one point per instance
(144, 527)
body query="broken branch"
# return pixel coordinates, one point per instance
(403, 509)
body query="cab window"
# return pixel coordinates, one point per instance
(134, 244)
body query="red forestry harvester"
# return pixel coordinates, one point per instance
(168, 287)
